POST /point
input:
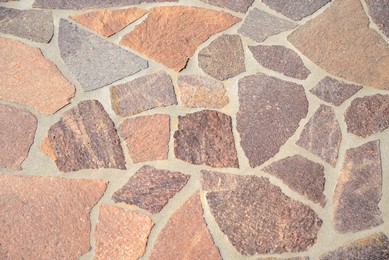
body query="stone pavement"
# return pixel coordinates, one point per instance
(194, 129)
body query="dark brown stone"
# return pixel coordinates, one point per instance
(379, 12)
(236, 5)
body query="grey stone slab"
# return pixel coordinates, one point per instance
(235, 5)
(379, 12)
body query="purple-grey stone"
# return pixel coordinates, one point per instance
(379, 12)
(235, 5)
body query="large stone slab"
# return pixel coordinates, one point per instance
(379, 12)
(238, 5)
(89, 4)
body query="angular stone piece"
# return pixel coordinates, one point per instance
(223, 58)
(206, 137)
(151, 188)
(259, 25)
(280, 59)
(120, 234)
(368, 115)
(25, 73)
(339, 39)
(379, 12)
(238, 5)
(89, 4)
(257, 217)
(85, 138)
(186, 235)
(17, 132)
(94, 61)
(358, 189)
(269, 113)
(46, 217)
(143, 93)
(171, 34)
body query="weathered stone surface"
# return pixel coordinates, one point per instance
(290, 258)
(358, 189)
(17, 131)
(368, 115)
(46, 217)
(280, 59)
(151, 188)
(120, 234)
(339, 39)
(25, 73)
(89, 4)
(269, 113)
(94, 61)
(147, 92)
(186, 235)
(206, 137)
(223, 58)
(379, 12)
(85, 138)
(257, 217)
(171, 34)
(259, 25)
(238, 5)
(302, 175)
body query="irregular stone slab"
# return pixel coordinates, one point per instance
(339, 39)
(368, 115)
(188, 232)
(269, 113)
(334, 91)
(17, 132)
(93, 61)
(89, 4)
(302, 175)
(358, 189)
(257, 217)
(223, 58)
(206, 137)
(25, 73)
(379, 12)
(238, 5)
(35, 218)
(171, 34)
(144, 93)
(259, 25)
(114, 228)
(280, 59)
(85, 138)
(151, 188)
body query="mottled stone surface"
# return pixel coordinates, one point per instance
(25, 73)
(223, 58)
(257, 217)
(85, 138)
(280, 59)
(206, 137)
(144, 93)
(358, 189)
(379, 12)
(35, 219)
(290, 258)
(93, 61)
(339, 39)
(171, 34)
(89, 4)
(238, 5)
(17, 132)
(151, 188)
(269, 113)
(186, 235)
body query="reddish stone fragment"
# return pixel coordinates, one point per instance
(379, 12)
(236, 5)
(89, 4)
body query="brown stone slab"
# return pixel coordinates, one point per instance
(238, 5)
(89, 4)
(379, 12)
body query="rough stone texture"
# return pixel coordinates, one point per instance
(144, 93)
(147, 137)
(322, 135)
(35, 219)
(334, 91)
(339, 39)
(238, 5)
(379, 12)
(89, 4)
(171, 34)
(358, 189)
(257, 217)
(290, 258)
(280, 59)
(302, 175)
(17, 131)
(120, 234)
(85, 138)
(151, 188)
(206, 137)
(25, 73)
(94, 61)
(368, 115)
(223, 58)
(269, 113)
(186, 235)
(259, 25)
